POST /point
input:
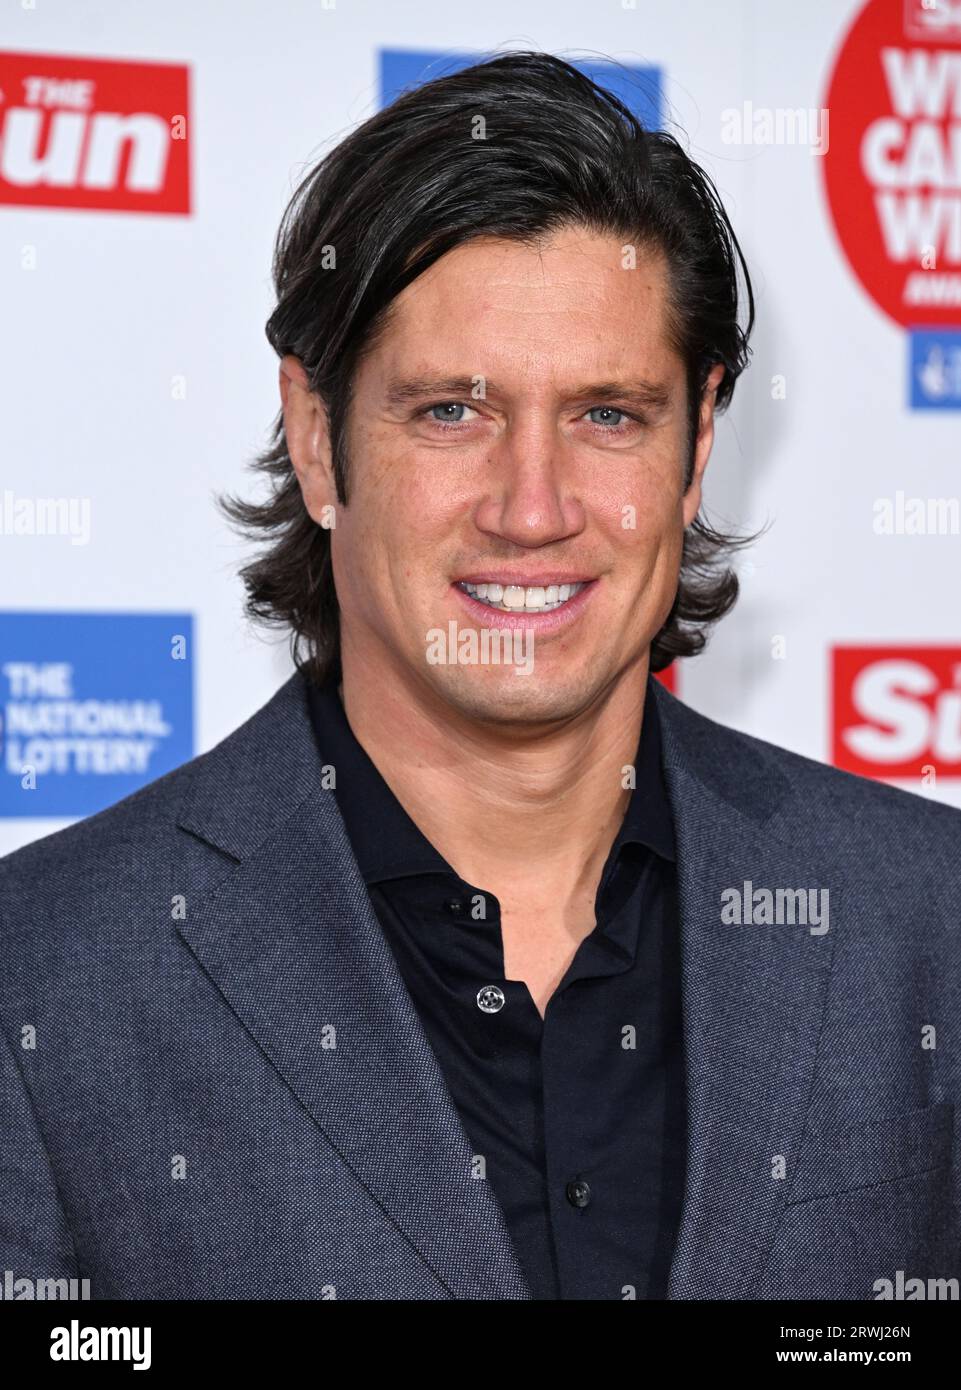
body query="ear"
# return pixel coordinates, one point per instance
(306, 428)
(705, 439)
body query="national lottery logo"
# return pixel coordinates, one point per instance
(893, 178)
(94, 706)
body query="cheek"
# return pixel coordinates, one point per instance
(396, 523)
(396, 481)
(642, 511)
(649, 480)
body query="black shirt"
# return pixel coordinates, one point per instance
(577, 1119)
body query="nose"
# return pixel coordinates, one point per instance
(529, 493)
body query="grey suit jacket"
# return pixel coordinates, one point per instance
(214, 1082)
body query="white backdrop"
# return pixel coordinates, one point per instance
(136, 375)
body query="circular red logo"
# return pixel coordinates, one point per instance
(892, 168)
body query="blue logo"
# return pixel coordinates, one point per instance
(935, 366)
(94, 706)
(639, 88)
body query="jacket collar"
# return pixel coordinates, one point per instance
(287, 932)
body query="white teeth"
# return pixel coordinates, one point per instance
(512, 598)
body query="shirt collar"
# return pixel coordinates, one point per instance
(387, 844)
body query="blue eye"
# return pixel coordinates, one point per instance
(448, 419)
(607, 410)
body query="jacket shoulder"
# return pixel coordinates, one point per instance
(137, 840)
(812, 793)
(137, 816)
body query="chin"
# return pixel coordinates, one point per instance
(502, 694)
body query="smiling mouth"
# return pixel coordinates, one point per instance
(516, 598)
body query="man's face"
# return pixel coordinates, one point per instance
(521, 422)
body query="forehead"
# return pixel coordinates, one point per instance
(576, 302)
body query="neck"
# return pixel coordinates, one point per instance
(531, 813)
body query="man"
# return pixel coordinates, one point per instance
(475, 968)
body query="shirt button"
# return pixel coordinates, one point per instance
(578, 1193)
(455, 907)
(490, 999)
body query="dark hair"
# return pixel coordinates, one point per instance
(407, 186)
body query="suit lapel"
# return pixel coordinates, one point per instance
(290, 938)
(753, 1001)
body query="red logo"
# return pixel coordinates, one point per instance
(892, 168)
(932, 19)
(897, 710)
(93, 133)
(668, 677)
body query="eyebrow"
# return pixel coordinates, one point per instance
(641, 394)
